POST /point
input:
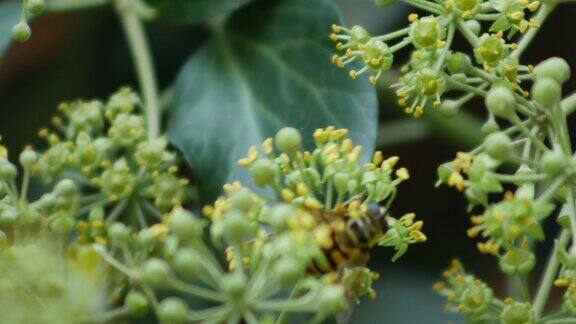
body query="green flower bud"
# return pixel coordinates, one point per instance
(450, 108)
(500, 101)
(185, 225)
(490, 49)
(118, 233)
(467, 5)
(127, 130)
(384, 3)
(498, 146)
(118, 182)
(520, 261)
(555, 67)
(151, 153)
(173, 310)
(547, 92)
(331, 299)
(30, 215)
(65, 187)
(288, 140)
(137, 303)
(457, 62)
(288, 270)
(340, 180)
(517, 313)
(242, 199)
(279, 214)
(187, 264)
(426, 32)
(473, 25)
(155, 272)
(122, 102)
(8, 171)
(570, 301)
(28, 158)
(235, 226)
(63, 224)
(21, 32)
(263, 172)
(146, 238)
(490, 126)
(35, 6)
(234, 284)
(553, 162)
(8, 216)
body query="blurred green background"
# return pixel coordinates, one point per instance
(84, 55)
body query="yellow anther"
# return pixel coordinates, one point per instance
(412, 17)
(402, 174)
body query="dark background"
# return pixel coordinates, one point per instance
(84, 55)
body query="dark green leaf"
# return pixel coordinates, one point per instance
(9, 16)
(193, 11)
(268, 67)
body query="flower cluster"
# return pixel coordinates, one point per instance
(475, 299)
(104, 147)
(434, 68)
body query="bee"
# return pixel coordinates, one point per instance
(350, 238)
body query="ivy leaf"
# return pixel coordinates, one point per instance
(194, 11)
(9, 16)
(266, 68)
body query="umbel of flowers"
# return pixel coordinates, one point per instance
(111, 240)
(434, 68)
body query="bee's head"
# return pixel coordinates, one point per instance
(378, 214)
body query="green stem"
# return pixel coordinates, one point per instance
(68, 5)
(569, 104)
(549, 275)
(140, 49)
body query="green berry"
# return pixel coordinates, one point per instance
(173, 310)
(185, 225)
(35, 6)
(137, 303)
(263, 171)
(555, 67)
(547, 92)
(30, 215)
(500, 101)
(288, 140)
(155, 272)
(450, 108)
(187, 263)
(498, 146)
(21, 32)
(242, 199)
(553, 162)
